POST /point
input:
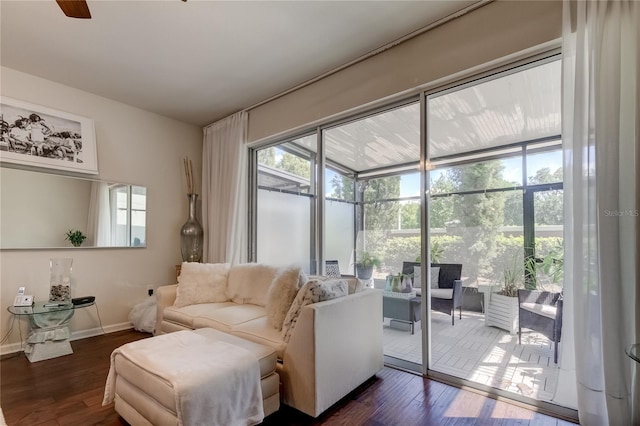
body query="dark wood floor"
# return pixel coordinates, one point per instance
(68, 391)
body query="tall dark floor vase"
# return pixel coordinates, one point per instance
(191, 234)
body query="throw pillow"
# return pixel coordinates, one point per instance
(313, 292)
(250, 282)
(302, 279)
(435, 276)
(281, 294)
(202, 283)
(417, 277)
(355, 285)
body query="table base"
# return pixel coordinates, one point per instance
(46, 350)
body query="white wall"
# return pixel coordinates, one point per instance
(134, 146)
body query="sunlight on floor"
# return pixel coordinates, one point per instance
(486, 355)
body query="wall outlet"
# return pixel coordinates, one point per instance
(150, 292)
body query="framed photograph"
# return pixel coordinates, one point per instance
(43, 137)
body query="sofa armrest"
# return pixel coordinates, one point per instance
(165, 296)
(335, 347)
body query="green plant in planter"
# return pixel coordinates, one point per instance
(366, 259)
(364, 265)
(512, 278)
(75, 236)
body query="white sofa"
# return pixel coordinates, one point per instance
(335, 345)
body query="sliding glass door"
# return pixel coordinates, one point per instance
(495, 210)
(450, 205)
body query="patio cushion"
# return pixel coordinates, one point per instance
(442, 293)
(540, 309)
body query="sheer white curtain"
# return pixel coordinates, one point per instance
(601, 139)
(99, 220)
(224, 190)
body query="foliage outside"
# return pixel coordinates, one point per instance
(467, 229)
(395, 250)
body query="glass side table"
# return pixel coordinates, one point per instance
(48, 328)
(633, 352)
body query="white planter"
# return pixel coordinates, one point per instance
(501, 311)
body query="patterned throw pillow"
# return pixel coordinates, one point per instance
(435, 276)
(313, 291)
(417, 276)
(202, 283)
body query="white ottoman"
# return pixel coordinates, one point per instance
(142, 398)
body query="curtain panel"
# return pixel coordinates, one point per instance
(600, 137)
(224, 190)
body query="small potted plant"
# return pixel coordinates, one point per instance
(75, 237)
(364, 265)
(501, 308)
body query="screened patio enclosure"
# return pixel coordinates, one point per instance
(470, 175)
(492, 146)
(360, 181)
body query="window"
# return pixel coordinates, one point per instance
(285, 203)
(128, 215)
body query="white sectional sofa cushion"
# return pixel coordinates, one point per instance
(281, 294)
(335, 346)
(259, 331)
(202, 283)
(186, 314)
(250, 282)
(229, 317)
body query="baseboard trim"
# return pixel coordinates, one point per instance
(76, 335)
(97, 331)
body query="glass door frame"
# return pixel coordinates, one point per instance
(528, 190)
(528, 218)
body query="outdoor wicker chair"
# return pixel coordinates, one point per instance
(448, 294)
(541, 311)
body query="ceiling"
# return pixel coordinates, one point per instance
(200, 61)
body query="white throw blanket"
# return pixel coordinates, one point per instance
(215, 383)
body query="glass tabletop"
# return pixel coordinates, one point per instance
(45, 308)
(633, 351)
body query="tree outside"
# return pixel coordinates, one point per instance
(285, 161)
(472, 221)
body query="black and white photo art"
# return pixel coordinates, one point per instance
(39, 136)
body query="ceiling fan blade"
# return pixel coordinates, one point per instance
(75, 8)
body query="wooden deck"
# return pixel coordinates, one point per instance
(487, 355)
